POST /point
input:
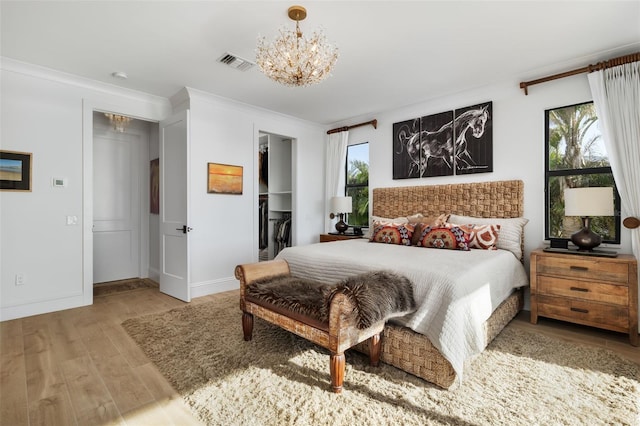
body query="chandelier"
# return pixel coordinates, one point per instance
(294, 60)
(119, 122)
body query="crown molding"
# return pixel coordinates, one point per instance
(25, 68)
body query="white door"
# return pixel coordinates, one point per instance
(116, 205)
(174, 206)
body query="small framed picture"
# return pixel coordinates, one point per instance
(15, 171)
(224, 179)
(154, 190)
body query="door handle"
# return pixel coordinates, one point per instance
(184, 229)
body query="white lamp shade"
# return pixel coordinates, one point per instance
(341, 205)
(594, 201)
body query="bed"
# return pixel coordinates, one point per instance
(454, 321)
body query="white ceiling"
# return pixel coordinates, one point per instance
(392, 53)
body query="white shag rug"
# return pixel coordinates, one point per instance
(280, 379)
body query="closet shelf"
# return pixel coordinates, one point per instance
(280, 193)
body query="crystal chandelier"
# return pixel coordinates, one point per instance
(119, 122)
(294, 60)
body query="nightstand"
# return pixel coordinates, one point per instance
(325, 238)
(594, 291)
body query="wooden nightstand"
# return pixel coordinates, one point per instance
(594, 291)
(325, 238)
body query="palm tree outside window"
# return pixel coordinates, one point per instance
(576, 157)
(357, 183)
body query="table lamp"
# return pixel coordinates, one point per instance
(586, 203)
(341, 206)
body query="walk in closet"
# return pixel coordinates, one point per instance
(275, 194)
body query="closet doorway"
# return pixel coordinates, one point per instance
(120, 200)
(275, 194)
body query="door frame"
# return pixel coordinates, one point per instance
(141, 155)
(257, 130)
(138, 110)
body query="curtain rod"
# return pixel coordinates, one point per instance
(634, 57)
(373, 122)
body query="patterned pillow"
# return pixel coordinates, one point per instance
(511, 230)
(483, 237)
(373, 219)
(392, 233)
(448, 236)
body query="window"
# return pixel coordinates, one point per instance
(357, 183)
(575, 158)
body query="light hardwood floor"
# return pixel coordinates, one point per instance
(79, 367)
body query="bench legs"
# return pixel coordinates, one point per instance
(336, 360)
(337, 363)
(247, 325)
(336, 368)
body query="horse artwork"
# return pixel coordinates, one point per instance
(474, 139)
(452, 142)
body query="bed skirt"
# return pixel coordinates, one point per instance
(412, 352)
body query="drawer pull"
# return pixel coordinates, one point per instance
(578, 268)
(583, 311)
(584, 290)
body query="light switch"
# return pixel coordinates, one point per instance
(72, 220)
(59, 182)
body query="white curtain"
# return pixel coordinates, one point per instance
(334, 174)
(616, 96)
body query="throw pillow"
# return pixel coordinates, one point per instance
(444, 237)
(511, 230)
(392, 233)
(373, 219)
(483, 237)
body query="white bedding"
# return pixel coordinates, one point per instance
(456, 291)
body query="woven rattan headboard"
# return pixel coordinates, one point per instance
(502, 199)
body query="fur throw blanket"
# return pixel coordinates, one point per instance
(377, 296)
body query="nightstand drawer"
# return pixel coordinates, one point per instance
(588, 313)
(590, 269)
(585, 290)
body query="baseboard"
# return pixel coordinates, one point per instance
(214, 286)
(154, 274)
(37, 308)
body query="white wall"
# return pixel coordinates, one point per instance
(50, 115)
(225, 227)
(518, 142)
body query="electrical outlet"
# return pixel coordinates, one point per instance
(20, 279)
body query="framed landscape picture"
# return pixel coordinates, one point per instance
(15, 171)
(224, 179)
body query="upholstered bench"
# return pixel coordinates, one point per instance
(335, 317)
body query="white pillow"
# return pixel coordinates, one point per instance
(511, 230)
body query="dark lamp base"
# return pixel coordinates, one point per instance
(584, 239)
(341, 227)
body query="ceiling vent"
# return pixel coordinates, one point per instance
(235, 61)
